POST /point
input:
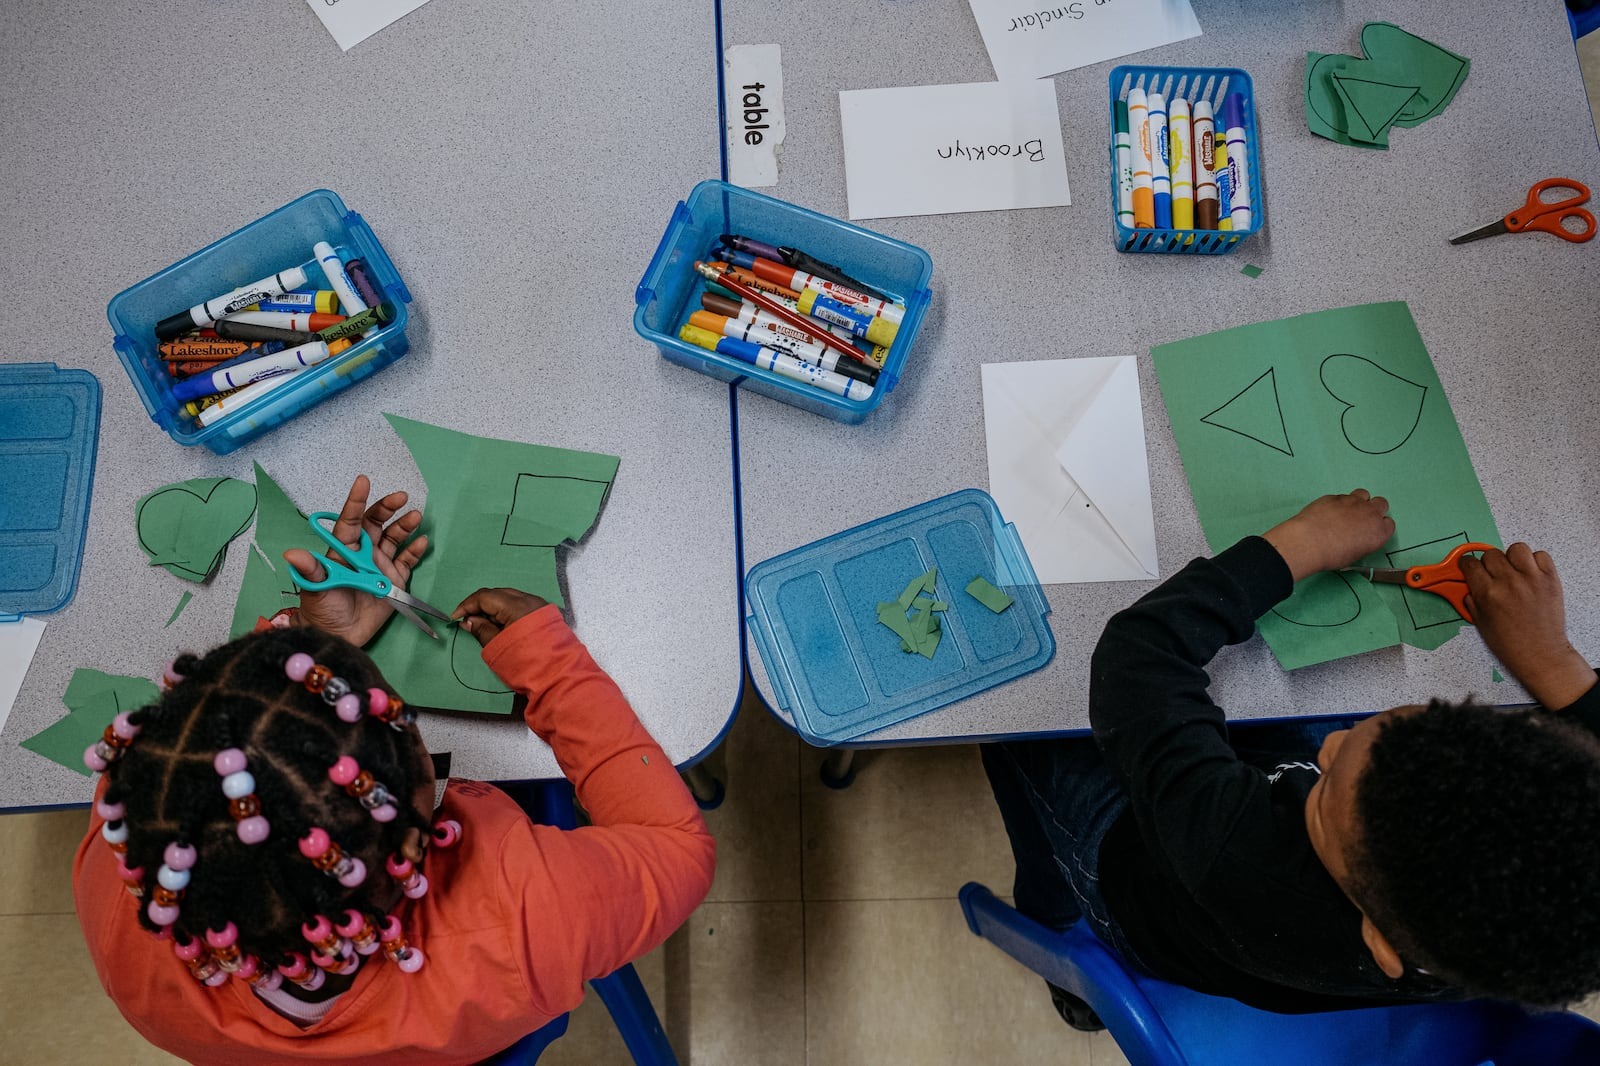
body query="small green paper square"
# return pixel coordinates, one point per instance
(1250, 270)
(980, 589)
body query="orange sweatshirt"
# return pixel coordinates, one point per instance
(517, 917)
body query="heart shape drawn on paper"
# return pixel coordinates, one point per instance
(1321, 601)
(186, 527)
(1381, 409)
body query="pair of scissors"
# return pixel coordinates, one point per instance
(360, 571)
(1547, 216)
(1442, 578)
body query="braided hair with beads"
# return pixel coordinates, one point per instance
(250, 884)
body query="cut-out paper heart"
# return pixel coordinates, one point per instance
(185, 527)
(1321, 601)
(1381, 410)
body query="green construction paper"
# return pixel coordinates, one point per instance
(1497, 676)
(496, 512)
(1250, 270)
(981, 590)
(186, 527)
(183, 601)
(920, 632)
(921, 583)
(1403, 80)
(93, 698)
(1269, 417)
(267, 588)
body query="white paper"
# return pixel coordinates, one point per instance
(353, 21)
(1027, 39)
(753, 77)
(938, 149)
(18, 642)
(1067, 465)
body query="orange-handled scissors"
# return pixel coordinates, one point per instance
(1442, 578)
(1547, 216)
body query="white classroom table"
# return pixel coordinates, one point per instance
(519, 163)
(1509, 322)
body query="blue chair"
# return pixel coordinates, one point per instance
(550, 803)
(1159, 1024)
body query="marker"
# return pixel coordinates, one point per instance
(1182, 165)
(333, 267)
(354, 326)
(1160, 165)
(362, 279)
(780, 363)
(745, 277)
(252, 371)
(190, 351)
(291, 320)
(1205, 174)
(745, 311)
(227, 405)
(1224, 183)
(751, 246)
(323, 300)
(201, 315)
(189, 369)
(869, 327)
(800, 261)
(194, 407)
(1124, 146)
(254, 332)
(799, 280)
(810, 327)
(1238, 161)
(1144, 208)
(798, 346)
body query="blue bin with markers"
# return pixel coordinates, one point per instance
(1192, 83)
(670, 289)
(270, 244)
(813, 617)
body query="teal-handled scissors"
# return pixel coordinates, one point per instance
(360, 572)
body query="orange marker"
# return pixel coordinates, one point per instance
(1144, 203)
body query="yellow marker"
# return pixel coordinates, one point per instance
(1181, 161)
(875, 328)
(323, 301)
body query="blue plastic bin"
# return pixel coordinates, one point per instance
(841, 673)
(1197, 83)
(275, 242)
(670, 289)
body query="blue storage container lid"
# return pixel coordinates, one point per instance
(49, 432)
(813, 614)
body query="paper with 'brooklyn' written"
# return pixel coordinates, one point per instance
(940, 149)
(1028, 39)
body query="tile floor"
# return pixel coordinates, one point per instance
(831, 934)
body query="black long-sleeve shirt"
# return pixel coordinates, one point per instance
(1210, 872)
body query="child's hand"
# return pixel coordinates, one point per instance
(486, 612)
(357, 616)
(1515, 596)
(1332, 531)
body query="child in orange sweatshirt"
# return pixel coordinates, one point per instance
(296, 896)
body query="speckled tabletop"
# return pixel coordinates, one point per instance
(1509, 322)
(519, 163)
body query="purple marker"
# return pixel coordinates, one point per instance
(1238, 162)
(753, 247)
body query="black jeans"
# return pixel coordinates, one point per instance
(1058, 800)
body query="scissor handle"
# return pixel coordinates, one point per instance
(1549, 216)
(1444, 578)
(360, 573)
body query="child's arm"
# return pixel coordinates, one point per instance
(1516, 598)
(1148, 704)
(597, 897)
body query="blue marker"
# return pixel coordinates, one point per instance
(781, 363)
(1161, 161)
(248, 373)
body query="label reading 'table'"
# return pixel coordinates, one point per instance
(753, 74)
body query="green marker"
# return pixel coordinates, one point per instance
(357, 324)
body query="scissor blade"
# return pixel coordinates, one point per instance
(415, 619)
(1382, 575)
(1493, 229)
(400, 595)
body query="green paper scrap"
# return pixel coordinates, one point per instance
(183, 601)
(1269, 417)
(1497, 676)
(921, 631)
(496, 513)
(186, 527)
(1250, 270)
(1403, 80)
(267, 587)
(981, 590)
(93, 698)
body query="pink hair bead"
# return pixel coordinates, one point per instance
(318, 931)
(414, 884)
(229, 761)
(348, 708)
(122, 727)
(344, 770)
(254, 830)
(111, 812)
(188, 951)
(162, 915)
(92, 759)
(403, 955)
(377, 702)
(315, 842)
(446, 832)
(357, 873)
(298, 666)
(359, 932)
(217, 979)
(251, 970)
(170, 675)
(386, 813)
(225, 937)
(179, 856)
(302, 973)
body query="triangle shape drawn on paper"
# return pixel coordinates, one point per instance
(1256, 413)
(1374, 104)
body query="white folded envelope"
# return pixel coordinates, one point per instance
(1067, 465)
